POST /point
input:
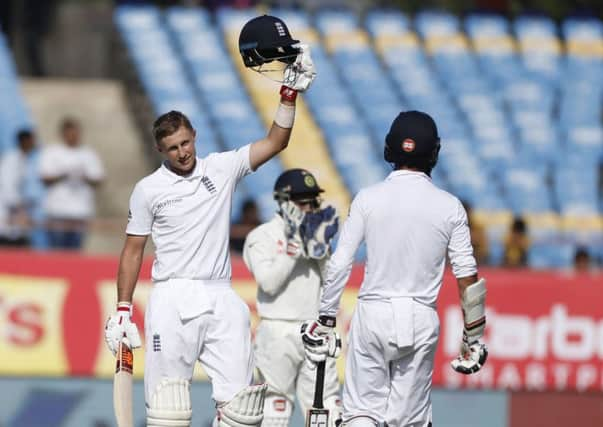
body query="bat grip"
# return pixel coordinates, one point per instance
(320, 383)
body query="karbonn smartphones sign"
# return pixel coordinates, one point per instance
(544, 332)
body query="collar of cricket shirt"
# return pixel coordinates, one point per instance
(406, 172)
(197, 172)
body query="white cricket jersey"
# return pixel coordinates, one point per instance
(288, 288)
(71, 198)
(188, 217)
(409, 225)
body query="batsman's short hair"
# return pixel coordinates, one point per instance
(169, 123)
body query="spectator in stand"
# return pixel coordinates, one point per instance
(71, 172)
(582, 261)
(17, 203)
(248, 220)
(479, 238)
(516, 244)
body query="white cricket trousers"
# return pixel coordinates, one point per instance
(280, 358)
(389, 366)
(188, 320)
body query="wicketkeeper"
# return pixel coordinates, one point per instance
(286, 256)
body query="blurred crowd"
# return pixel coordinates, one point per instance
(47, 193)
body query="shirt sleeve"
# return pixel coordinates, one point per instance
(460, 250)
(140, 217)
(236, 162)
(270, 266)
(339, 265)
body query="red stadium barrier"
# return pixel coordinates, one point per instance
(545, 329)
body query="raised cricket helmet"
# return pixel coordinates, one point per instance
(264, 39)
(413, 141)
(297, 185)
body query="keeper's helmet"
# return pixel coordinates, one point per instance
(297, 185)
(413, 141)
(264, 39)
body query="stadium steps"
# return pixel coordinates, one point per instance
(109, 129)
(307, 148)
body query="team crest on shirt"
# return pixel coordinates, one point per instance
(209, 185)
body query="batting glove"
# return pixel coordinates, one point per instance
(300, 75)
(320, 339)
(472, 357)
(119, 325)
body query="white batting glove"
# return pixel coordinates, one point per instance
(320, 339)
(472, 357)
(300, 75)
(119, 325)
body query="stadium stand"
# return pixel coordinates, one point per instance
(307, 147)
(517, 102)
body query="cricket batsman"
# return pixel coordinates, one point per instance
(286, 257)
(193, 314)
(410, 226)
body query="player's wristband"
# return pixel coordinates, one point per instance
(288, 94)
(328, 321)
(123, 306)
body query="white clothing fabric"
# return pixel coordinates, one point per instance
(288, 287)
(20, 187)
(280, 358)
(13, 167)
(218, 336)
(409, 226)
(71, 198)
(188, 217)
(384, 380)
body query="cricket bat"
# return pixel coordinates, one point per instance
(122, 384)
(318, 416)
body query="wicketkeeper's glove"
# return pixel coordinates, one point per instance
(300, 74)
(320, 339)
(119, 325)
(293, 217)
(317, 230)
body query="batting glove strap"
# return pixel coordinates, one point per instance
(288, 94)
(125, 306)
(328, 321)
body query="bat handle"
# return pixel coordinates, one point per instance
(320, 383)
